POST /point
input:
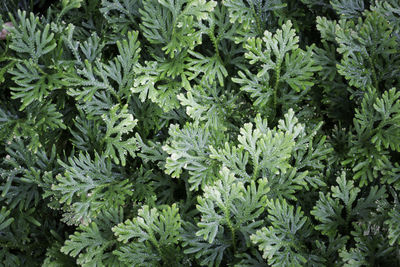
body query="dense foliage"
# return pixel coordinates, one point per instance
(200, 133)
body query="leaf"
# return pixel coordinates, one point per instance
(91, 83)
(255, 16)
(150, 237)
(188, 150)
(208, 254)
(327, 28)
(68, 5)
(394, 228)
(279, 61)
(122, 69)
(118, 124)
(4, 221)
(88, 187)
(122, 16)
(348, 8)
(28, 38)
(229, 204)
(283, 243)
(328, 211)
(151, 85)
(172, 24)
(93, 244)
(345, 191)
(362, 45)
(211, 67)
(33, 84)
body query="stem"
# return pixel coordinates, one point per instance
(371, 63)
(348, 213)
(255, 173)
(228, 221)
(233, 235)
(155, 243)
(374, 78)
(256, 168)
(277, 80)
(258, 21)
(214, 40)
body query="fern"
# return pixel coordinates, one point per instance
(375, 120)
(199, 133)
(330, 207)
(152, 236)
(255, 16)
(119, 124)
(122, 16)
(31, 38)
(228, 207)
(267, 151)
(172, 24)
(281, 62)
(189, 150)
(283, 243)
(87, 186)
(94, 240)
(359, 61)
(348, 9)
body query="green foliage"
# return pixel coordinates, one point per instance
(254, 15)
(203, 104)
(172, 24)
(227, 198)
(348, 9)
(284, 242)
(369, 248)
(29, 39)
(362, 46)
(199, 133)
(376, 132)
(394, 231)
(3, 218)
(121, 15)
(267, 150)
(284, 68)
(331, 207)
(32, 41)
(227, 207)
(117, 125)
(97, 76)
(93, 243)
(150, 237)
(189, 150)
(68, 5)
(152, 86)
(88, 187)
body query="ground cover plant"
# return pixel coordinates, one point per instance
(200, 133)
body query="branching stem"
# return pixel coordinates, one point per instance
(257, 18)
(214, 40)
(276, 85)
